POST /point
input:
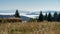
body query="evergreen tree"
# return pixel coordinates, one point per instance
(55, 16)
(58, 19)
(40, 16)
(17, 14)
(45, 17)
(49, 17)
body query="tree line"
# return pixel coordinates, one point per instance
(49, 17)
(46, 17)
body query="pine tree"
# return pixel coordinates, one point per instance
(45, 17)
(49, 17)
(17, 14)
(55, 16)
(58, 19)
(40, 16)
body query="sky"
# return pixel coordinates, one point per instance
(30, 5)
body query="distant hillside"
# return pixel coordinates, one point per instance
(25, 14)
(24, 18)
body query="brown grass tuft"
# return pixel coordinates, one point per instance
(30, 28)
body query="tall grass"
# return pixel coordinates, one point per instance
(30, 28)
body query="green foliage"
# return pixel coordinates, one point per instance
(35, 20)
(40, 16)
(58, 19)
(17, 14)
(55, 16)
(49, 17)
(45, 17)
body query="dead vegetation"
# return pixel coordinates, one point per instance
(30, 28)
(5, 20)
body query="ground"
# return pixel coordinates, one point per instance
(30, 28)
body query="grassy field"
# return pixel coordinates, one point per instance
(30, 28)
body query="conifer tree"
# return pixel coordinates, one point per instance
(45, 18)
(17, 14)
(55, 16)
(49, 17)
(40, 16)
(58, 19)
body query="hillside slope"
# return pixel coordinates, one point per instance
(30, 28)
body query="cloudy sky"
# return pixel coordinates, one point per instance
(30, 5)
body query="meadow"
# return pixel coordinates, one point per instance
(30, 28)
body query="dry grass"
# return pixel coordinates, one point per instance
(30, 28)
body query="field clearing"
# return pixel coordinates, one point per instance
(30, 28)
